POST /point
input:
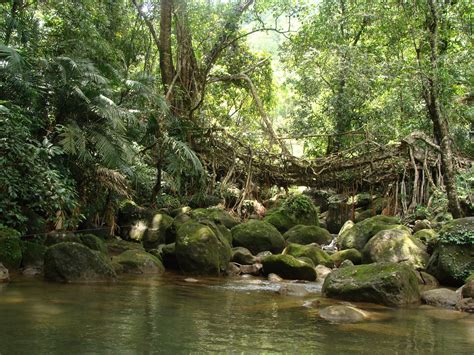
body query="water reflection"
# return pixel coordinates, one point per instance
(166, 314)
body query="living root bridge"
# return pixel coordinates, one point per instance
(411, 166)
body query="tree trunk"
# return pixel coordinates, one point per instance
(440, 123)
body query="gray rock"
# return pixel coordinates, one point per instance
(321, 272)
(274, 278)
(343, 314)
(346, 263)
(243, 256)
(441, 297)
(297, 290)
(468, 290)
(4, 275)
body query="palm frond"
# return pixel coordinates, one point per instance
(113, 180)
(181, 152)
(74, 141)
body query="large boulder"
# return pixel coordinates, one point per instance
(353, 255)
(288, 267)
(357, 236)
(93, 242)
(385, 283)
(243, 256)
(157, 230)
(302, 234)
(217, 215)
(451, 264)
(138, 262)
(258, 236)
(313, 252)
(453, 258)
(201, 251)
(296, 209)
(71, 262)
(118, 246)
(395, 245)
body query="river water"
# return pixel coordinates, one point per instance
(165, 314)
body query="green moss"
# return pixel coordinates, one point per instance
(288, 267)
(470, 278)
(279, 219)
(10, 251)
(348, 254)
(302, 234)
(452, 264)
(93, 242)
(9, 232)
(427, 236)
(459, 231)
(157, 231)
(140, 262)
(216, 215)
(258, 236)
(315, 253)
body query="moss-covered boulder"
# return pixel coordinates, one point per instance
(453, 258)
(74, 262)
(427, 236)
(314, 252)
(258, 236)
(118, 246)
(199, 250)
(139, 262)
(451, 264)
(93, 242)
(353, 255)
(357, 236)
(32, 253)
(217, 215)
(243, 256)
(339, 211)
(302, 234)
(296, 209)
(385, 283)
(395, 245)
(157, 229)
(288, 267)
(10, 248)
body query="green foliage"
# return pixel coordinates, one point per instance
(168, 201)
(299, 206)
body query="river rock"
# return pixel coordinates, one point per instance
(233, 269)
(302, 234)
(201, 251)
(441, 297)
(346, 263)
(291, 289)
(93, 242)
(348, 254)
(468, 289)
(254, 269)
(4, 275)
(395, 245)
(216, 215)
(288, 267)
(314, 252)
(385, 283)
(346, 226)
(466, 305)
(343, 314)
(243, 256)
(258, 236)
(157, 229)
(70, 262)
(274, 278)
(321, 272)
(338, 213)
(118, 246)
(426, 280)
(357, 236)
(139, 262)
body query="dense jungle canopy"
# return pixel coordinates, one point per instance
(173, 102)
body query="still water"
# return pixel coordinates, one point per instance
(165, 314)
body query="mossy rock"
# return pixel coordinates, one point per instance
(470, 277)
(139, 262)
(200, 251)
(459, 231)
(357, 236)
(288, 267)
(9, 232)
(93, 242)
(258, 236)
(295, 210)
(157, 231)
(216, 215)
(363, 215)
(168, 256)
(315, 253)
(338, 213)
(390, 284)
(395, 245)
(427, 236)
(353, 255)
(118, 246)
(74, 262)
(33, 253)
(177, 211)
(306, 260)
(10, 250)
(302, 234)
(452, 264)
(56, 237)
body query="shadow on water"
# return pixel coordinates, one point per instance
(167, 314)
